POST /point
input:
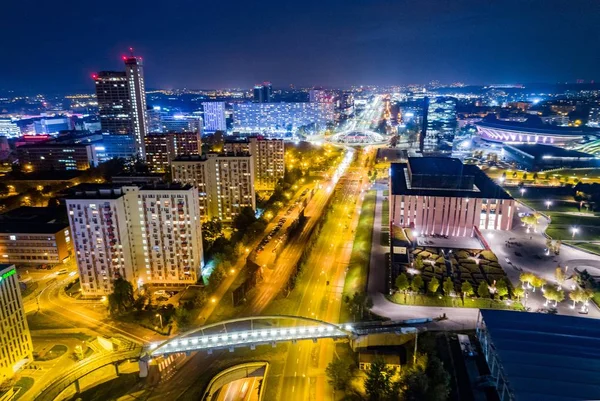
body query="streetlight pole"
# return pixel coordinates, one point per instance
(575, 230)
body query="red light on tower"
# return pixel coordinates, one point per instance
(94, 76)
(124, 58)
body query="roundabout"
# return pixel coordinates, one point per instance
(358, 137)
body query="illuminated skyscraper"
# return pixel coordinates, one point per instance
(263, 93)
(122, 101)
(214, 117)
(439, 124)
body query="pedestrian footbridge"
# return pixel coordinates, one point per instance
(259, 330)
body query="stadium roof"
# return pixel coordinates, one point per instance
(547, 357)
(541, 129)
(539, 151)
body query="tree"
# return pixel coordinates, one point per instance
(339, 373)
(378, 383)
(433, 285)
(524, 176)
(537, 282)
(553, 294)
(417, 284)
(530, 220)
(527, 277)
(402, 283)
(448, 286)
(559, 275)
(501, 288)
(466, 288)
(535, 176)
(418, 263)
(518, 292)
(576, 296)
(182, 317)
(244, 219)
(483, 290)
(121, 299)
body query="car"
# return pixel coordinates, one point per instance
(507, 260)
(160, 293)
(62, 271)
(519, 254)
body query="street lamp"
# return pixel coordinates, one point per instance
(574, 230)
(548, 204)
(158, 315)
(522, 191)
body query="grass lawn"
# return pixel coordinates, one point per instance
(428, 300)
(358, 269)
(557, 205)
(595, 248)
(573, 220)
(385, 217)
(596, 298)
(586, 233)
(22, 385)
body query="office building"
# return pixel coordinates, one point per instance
(536, 157)
(439, 124)
(162, 149)
(143, 234)
(281, 118)
(263, 93)
(52, 126)
(9, 129)
(57, 156)
(113, 146)
(268, 158)
(436, 195)
(225, 182)
(214, 117)
(16, 348)
(34, 235)
(121, 97)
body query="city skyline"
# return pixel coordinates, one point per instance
(331, 44)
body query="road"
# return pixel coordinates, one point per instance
(272, 284)
(321, 291)
(240, 390)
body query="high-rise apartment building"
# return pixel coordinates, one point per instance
(439, 123)
(214, 117)
(263, 93)
(280, 117)
(144, 234)
(16, 348)
(162, 149)
(268, 157)
(9, 129)
(121, 99)
(320, 96)
(225, 182)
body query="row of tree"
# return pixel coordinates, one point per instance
(404, 284)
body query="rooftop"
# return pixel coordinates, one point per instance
(538, 151)
(31, 220)
(444, 177)
(547, 357)
(535, 128)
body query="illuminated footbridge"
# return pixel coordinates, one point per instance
(260, 330)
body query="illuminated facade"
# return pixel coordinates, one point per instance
(522, 133)
(31, 235)
(268, 157)
(9, 129)
(143, 234)
(162, 149)
(263, 93)
(122, 101)
(434, 195)
(214, 117)
(16, 348)
(440, 123)
(225, 182)
(55, 156)
(280, 117)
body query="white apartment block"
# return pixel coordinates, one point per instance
(225, 182)
(16, 348)
(145, 235)
(268, 157)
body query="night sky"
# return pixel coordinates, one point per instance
(55, 46)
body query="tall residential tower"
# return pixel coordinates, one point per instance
(121, 99)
